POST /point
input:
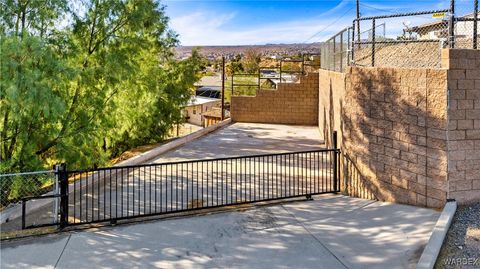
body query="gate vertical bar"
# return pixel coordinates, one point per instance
(62, 172)
(24, 212)
(335, 161)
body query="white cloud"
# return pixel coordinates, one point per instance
(210, 28)
(207, 28)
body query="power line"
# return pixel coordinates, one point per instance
(328, 26)
(389, 10)
(379, 9)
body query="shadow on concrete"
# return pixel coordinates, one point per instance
(330, 232)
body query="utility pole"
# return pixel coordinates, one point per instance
(223, 88)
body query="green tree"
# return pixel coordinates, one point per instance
(82, 82)
(235, 65)
(252, 60)
(33, 80)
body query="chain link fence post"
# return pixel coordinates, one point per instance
(353, 44)
(475, 24)
(63, 179)
(451, 25)
(56, 192)
(373, 42)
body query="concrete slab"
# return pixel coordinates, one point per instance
(387, 235)
(332, 231)
(41, 252)
(240, 139)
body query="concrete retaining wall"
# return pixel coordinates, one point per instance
(408, 135)
(463, 124)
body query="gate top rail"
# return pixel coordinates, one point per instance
(201, 160)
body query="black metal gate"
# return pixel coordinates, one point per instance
(124, 192)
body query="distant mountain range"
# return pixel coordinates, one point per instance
(267, 50)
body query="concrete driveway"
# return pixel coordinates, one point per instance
(241, 139)
(333, 231)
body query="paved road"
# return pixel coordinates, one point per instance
(330, 232)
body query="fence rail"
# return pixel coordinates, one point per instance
(288, 70)
(335, 52)
(117, 193)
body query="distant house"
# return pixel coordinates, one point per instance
(209, 81)
(286, 78)
(464, 29)
(197, 106)
(213, 116)
(431, 30)
(209, 91)
(439, 29)
(269, 73)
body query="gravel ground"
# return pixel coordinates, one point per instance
(461, 248)
(406, 55)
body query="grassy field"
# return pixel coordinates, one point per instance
(240, 90)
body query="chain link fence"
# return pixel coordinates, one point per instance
(409, 40)
(335, 52)
(467, 25)
(465, 29)
(14, 187)
(412, 40)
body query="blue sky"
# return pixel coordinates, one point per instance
(243, 22)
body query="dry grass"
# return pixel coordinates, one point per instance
(195, 203)
(184, 129)
(28, 232)
(134, 152)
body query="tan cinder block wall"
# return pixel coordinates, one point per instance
(331, 93)
(291, 103)
(330, 105)
(463, 124)
(393, 126)
(409, 135)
